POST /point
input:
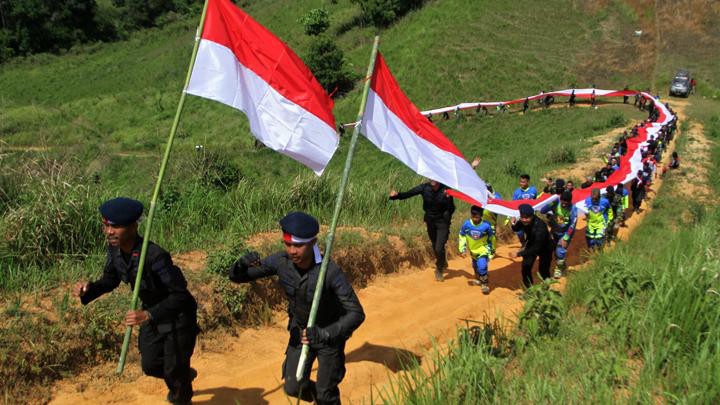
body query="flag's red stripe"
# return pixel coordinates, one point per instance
(262, 52)
(385, 86)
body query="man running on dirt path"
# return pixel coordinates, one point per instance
(478, 237)
(597, 219)
(439, 207)
(339, 314)
(562, 217)
(167, 320)
(538, 244)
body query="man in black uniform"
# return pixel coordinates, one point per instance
(438, 207)
(538, 243)
(167, 320)
(339, 313)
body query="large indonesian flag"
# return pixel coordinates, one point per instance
(242, 64)
(397, 127)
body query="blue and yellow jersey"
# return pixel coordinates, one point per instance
(625, 199)
(529, 193)
(564, 220)
(479, 239)
(597, 215)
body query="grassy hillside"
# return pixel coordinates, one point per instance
(90, 124)
(105, 111)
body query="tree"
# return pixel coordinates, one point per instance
(382, 13)
(30, 26)
(316, 21)
(327, 63)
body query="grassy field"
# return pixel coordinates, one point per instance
(91, 124)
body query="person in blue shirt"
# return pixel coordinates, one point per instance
(524, 192)
(478, 237)
(562, 217)
(597, 219)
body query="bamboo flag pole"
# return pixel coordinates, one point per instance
(338, 207)
(151, 211)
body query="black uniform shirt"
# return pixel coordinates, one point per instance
(163, 289)
(538, 237)
(339, 313)
(436, 204)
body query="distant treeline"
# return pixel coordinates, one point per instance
(34, 26)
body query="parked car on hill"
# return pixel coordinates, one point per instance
(680, 85)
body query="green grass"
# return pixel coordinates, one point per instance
(104, 112)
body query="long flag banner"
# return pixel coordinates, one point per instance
(242, 64)
(629, 163)
(397, 127)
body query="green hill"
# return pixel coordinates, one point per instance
(91, 123)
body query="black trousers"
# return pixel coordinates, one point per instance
(438, 231)
(544, 268)
(330, 372)
(167, 356)
(637, 197)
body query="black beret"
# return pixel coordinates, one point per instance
(300, 224)
(121, 211)
(526, 210)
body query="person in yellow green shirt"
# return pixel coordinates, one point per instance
(478, 237)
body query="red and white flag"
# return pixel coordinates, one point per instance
(242, 64)
(397, 127)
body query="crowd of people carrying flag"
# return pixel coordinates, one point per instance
(238, 62)
(606, 206)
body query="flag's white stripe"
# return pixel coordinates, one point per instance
(511, 212)
(276, 121)
(384, 129)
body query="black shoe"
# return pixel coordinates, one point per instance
(192, 373)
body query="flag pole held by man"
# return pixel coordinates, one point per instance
(167, 320)
(298, 268)
(240, 63)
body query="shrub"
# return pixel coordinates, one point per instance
(617, 285)
(513, 169)
(213, 169)
(382, 13)
(562, 155)
(327, 63)
(220, 260)
(543, 311)
(316, 21)
(57, 216)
